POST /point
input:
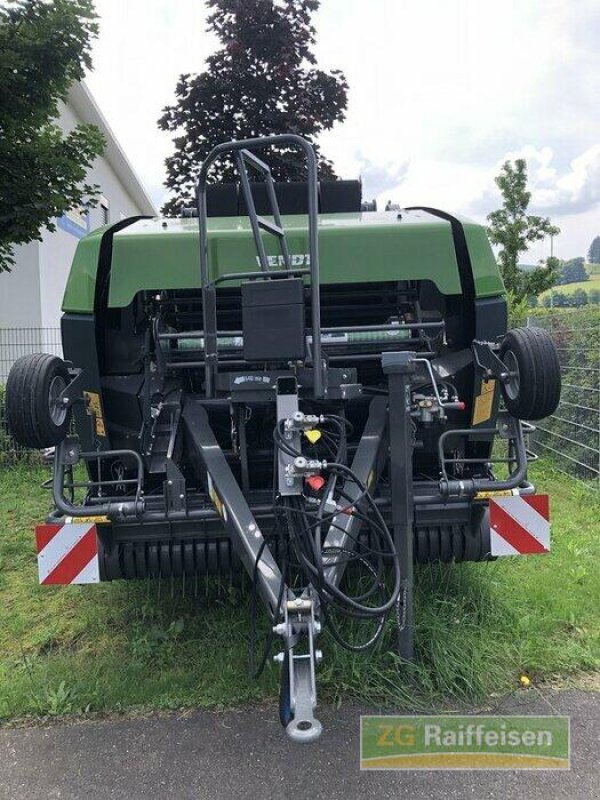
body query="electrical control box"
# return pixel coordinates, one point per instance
(273, 320)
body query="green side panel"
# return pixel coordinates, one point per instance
(486, 275)
(370, 246)
(81, 284)
(353, 248)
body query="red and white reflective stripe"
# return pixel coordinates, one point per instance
(67, 553)
(519, 525)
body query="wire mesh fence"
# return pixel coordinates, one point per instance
(17, 342)
(571, 436)
(14, 343)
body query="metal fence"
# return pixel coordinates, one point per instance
(17, 342)
(571, 436)
(14, 343)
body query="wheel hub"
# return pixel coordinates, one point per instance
(58, 411)
(513, 382)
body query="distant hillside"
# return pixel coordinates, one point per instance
(568, 289)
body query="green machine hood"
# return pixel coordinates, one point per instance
(154, 254)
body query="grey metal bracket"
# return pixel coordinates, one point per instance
(488, 362)
(300, 623)
(399, 368)
(174, 488)
(71, 451)
(73, 392)
(367, 464)
(231, 505)
(286, 407)
(508, 427)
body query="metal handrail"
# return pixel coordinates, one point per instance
(467, 486)
(241, 150)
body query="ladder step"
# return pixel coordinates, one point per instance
(270, 227)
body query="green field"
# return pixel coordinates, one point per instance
(157, 645)
(569, 288)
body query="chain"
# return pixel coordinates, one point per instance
(401, 610)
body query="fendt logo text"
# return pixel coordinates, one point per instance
(297, 259)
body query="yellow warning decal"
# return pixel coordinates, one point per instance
(492, 493)
(93, 407)
(99, 519)
(484, 402)
(217, 502)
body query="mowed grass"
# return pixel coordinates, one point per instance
(163, 645)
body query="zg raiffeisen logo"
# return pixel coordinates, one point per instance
(453, 742)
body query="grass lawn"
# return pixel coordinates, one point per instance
(155, 644)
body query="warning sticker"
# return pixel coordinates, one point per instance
(484, 402)
(494, 493)
(93, 407)
(67, 553)
(519, 525)
(217, 502)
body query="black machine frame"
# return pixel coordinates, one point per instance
(227, 511)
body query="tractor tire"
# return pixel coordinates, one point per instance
(34, 383)
(533, 391)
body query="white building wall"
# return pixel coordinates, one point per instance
(31, 295)
(58, 248)
(20, 303)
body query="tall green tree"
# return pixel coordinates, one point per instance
(594, 251)
(579, 298)
(514, 230)
(44, 48)
(573, 271)
(262, 80)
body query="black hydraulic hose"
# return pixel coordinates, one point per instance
(330, 590)
(309, 548)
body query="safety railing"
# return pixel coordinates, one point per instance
(244, 158)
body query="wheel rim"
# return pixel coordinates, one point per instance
(513, 384)
(58, 413)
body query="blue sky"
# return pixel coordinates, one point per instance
(441, 93)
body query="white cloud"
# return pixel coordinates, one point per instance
(576, 190)
(440, 93)
(143, 47)
(569, 195)
(378, 178)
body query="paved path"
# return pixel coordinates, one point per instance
(244, 754)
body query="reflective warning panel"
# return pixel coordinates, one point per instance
(519, 525)
(67, 553)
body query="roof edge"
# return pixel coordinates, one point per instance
(83, 103)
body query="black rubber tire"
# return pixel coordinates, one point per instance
(28, 410)
(539, 383)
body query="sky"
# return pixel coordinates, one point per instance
(441, 93)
